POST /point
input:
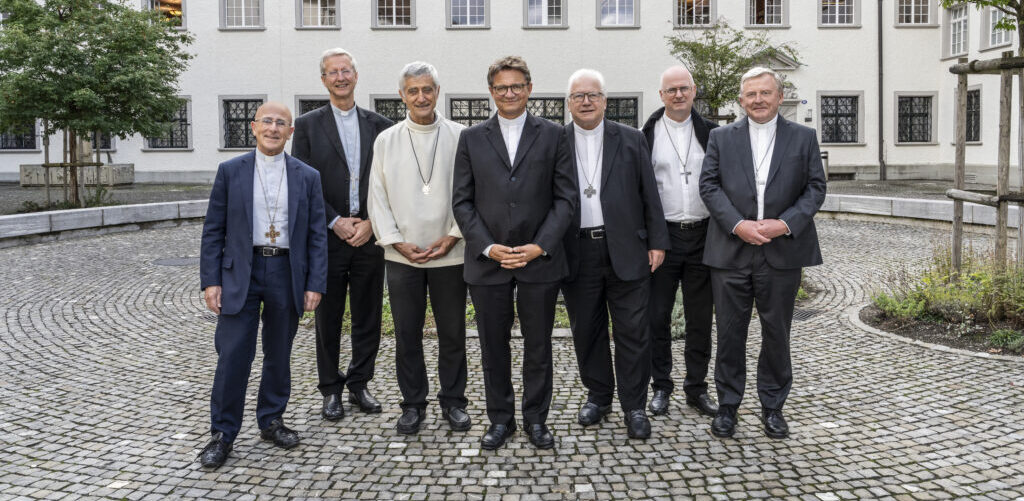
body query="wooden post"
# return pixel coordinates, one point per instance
(1020, 167)
(46, 161)
(64, 157)
(1003, 175)
(959, 168)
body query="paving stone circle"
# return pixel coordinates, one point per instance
(107, 359)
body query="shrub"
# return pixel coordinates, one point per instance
(1008, 339)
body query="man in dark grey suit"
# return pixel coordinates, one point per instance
(513, 196)
(616, 240)
(762, 181)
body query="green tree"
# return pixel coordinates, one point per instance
(89, 65)
(1013, 21)
(718, 56)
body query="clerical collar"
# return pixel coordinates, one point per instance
(520, 120)
(767, 125)
(344, 113)
(415, 127)
(263, 158)
(673, 123)
(592, 132)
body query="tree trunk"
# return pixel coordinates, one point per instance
(73, 159)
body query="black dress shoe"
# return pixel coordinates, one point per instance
(216, 452)
(280, 434)
(365, 401)
(540, 436)
(703, 403)
(724, 425)
(457, 418)
(637, 424)
(410, 420)
(496, 435)
(659, 403)
(774, 424)
(592, 413)
(332, 410)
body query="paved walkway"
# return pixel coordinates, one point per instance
(107, 358)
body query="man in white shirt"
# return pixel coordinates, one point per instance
(410, 207)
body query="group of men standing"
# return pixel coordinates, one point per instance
(514, 209)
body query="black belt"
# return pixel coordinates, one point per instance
(689, 225)
(595, 233)
(266, 251)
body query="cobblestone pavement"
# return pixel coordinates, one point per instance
(107, 361)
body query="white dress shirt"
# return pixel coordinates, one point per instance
(680, 199)
(270, 200)
(762, 147)
(511, 131)
(589, 155)
(347, 122)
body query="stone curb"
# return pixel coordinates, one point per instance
(853, 314)
(914, 208)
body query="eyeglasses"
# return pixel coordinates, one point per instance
(515, 88)
(270, 122)
(673, 90)
(339, 73)
(578, 97)
(416, 91)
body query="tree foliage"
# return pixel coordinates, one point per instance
(718, 57)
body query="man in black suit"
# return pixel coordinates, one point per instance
(678, 137)
(617, 238)
(337, 140)
(763, 182)
(513, 197)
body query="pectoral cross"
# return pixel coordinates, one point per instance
(272, 234)
(686, 175)
(590, 191)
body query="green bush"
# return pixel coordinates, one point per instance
(1007, 339)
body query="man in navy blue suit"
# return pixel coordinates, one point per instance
(263, 244)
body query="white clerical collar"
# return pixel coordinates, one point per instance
(343, 113)
(592, 132)
(431, 127)
(269, 159)
(518, 121)
(673, 123)
(767, 125)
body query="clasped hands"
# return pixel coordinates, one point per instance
(512, 258)
(436, 250)
(760, 232)
(353, 231)
(213, 293)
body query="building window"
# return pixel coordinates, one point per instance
(469, 111)
(308, 105)
(391, 108)
(837, 12)
(238, 114)
(913, 11)
(543, 13)
(101, 141)
(764, 13)
(624, 110)
(319, 13)
(973, 115)
(242, 13)
(693, 13)
(177, 136)
(914, 119)
(467, 13)
(393, 14)
(997, 36)
(617, 13)
(170, 11)
(839, 120)
(957, 31)
(551, 108)
(19, 138)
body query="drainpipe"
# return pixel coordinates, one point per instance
(881, 100)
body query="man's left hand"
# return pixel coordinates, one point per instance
(363, 233)
(441, 247)
(310, 301)
(771, 228)
(521, 255)
(654, 258)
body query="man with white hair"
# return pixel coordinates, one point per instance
(615, 241)
(337, 140)
(762, 182)
(410, 205)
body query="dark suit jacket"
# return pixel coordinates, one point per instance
(316, 142)
(527, 200)
(633, 219)
(794, 192)
(226, 250)
(701, 127)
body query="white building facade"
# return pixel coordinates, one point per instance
(874, 80)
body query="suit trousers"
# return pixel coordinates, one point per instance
(683, 265)
(774, 292)
(361, 271)
(235, 341)
(589, 298)
(407, 288)
(495, 307)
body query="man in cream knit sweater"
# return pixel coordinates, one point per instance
(410, 205)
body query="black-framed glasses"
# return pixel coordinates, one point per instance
(515, 88)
